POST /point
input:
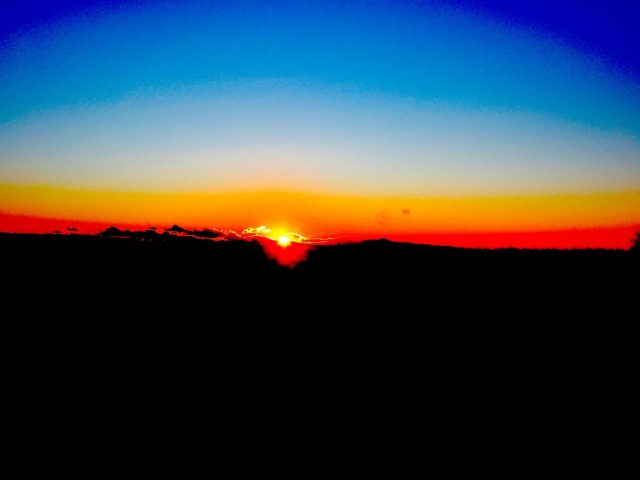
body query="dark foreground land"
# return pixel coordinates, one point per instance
(527, 324)
(388, 272)
(135, 285)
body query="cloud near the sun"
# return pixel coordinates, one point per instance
(261, 230)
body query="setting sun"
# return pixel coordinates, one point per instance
(284, 241)
(285, 247)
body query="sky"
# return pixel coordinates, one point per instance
(363, 118)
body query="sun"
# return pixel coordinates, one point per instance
(284, 241)
(280, 243)
(282, 237)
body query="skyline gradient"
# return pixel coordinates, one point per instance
(351, 119)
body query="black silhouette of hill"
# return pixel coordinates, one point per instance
(503, 320)
(181, 260)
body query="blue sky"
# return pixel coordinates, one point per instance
(391, 97)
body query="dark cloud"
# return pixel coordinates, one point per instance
(152, 234)
(406, 211)
(141, 235)
(112, 232)
(205, 233)
(72, 229)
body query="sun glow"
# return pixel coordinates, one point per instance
(285, 247)
(279, 244)
(284, 241)
(281, 236)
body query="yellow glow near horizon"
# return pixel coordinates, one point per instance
(284, 241)
(320, 215)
